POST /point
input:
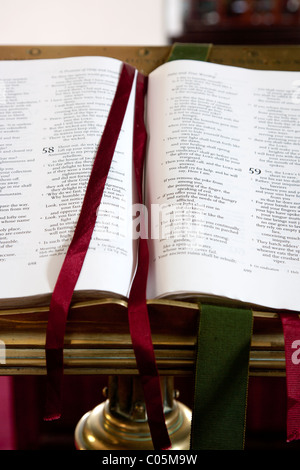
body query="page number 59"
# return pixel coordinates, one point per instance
(254, 171)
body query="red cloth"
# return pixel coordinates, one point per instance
(7, 417)
(291, 331)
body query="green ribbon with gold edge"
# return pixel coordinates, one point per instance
(187, 51)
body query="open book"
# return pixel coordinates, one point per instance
(222, 181)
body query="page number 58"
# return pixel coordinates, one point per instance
(48, 149)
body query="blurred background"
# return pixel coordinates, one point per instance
(149, 22)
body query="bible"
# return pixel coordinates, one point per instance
(221, 182)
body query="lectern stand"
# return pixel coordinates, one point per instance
(120, 422)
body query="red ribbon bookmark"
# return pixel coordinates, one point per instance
(137, 306)
(69, 273)
(291, 330)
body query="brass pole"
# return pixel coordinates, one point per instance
(120, 422)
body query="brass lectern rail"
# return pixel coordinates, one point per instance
(97, 339)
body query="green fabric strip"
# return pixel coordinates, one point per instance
(221, 381)
(189, 51)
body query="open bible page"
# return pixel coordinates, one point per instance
(223, 183)
(52, 115)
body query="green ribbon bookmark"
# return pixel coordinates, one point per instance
(221, 381)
